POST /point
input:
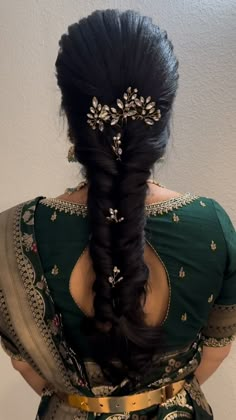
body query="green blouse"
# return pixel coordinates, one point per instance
(193, 237)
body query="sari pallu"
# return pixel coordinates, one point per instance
(32, 331)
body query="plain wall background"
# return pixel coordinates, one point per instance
(202, 155)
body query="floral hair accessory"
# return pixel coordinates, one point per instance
(131, 106)
(117, 146)
(113, 280)
(113, 216)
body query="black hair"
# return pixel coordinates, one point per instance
(102, 55)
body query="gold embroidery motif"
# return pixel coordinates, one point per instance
(168, 205)
(172, 365)
(179, 399)
(213, 245)
(54, 216)
(181, 272)
(28, 216)
(221, 322)
(195, 392)
(178, 415)
(120, 416)
(218, 342)
(55, 270)
(210, 299)
(151, 209)
(27, 241)
(175, 218)
(184, 317)
(65, 206)
(202, 204)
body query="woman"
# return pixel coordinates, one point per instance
(118, 298)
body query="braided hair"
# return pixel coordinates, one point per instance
(101, 56)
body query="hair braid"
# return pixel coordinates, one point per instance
(101, 56)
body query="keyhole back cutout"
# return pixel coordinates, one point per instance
(158, 287)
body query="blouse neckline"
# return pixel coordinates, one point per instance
(151, 209)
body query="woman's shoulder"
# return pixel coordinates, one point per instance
(22, 206)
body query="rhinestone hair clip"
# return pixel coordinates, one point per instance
(113, 280)
(114, 216)
(131, 105)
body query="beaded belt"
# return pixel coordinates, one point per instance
(128, 403)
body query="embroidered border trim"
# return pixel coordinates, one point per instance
(224, 308)
(34, 298)
(13, 335)
(151, 209)
(65, 206)
(171, 204)
(218, 342)
(178, 415)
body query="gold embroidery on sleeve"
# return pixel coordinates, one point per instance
(181, 272)
(213, 245)
(218, 342)
(202, 204)
(178, 415)
(210, 299)
(54, 216)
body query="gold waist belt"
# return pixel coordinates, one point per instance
(127, 403)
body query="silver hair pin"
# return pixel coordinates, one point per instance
(113, 280)
(117, 146)
(131, 106)
(113, 216)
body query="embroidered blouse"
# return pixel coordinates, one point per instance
(194, 238)
(40, 242)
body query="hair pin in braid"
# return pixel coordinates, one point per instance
(113, 280)
(117, 146)
(114, 216)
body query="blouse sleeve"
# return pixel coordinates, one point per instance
(221, 327)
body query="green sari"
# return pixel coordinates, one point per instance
(35, 326)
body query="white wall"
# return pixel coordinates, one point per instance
(33, 140)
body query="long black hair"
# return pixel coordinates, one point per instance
(102, 55)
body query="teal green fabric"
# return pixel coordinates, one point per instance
(196, 242)
(201, 244)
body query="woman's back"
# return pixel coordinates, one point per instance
(185, 252)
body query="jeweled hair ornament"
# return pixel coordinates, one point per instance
(113, 280)
(114, 216)
(117, 146)
(131, 106)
